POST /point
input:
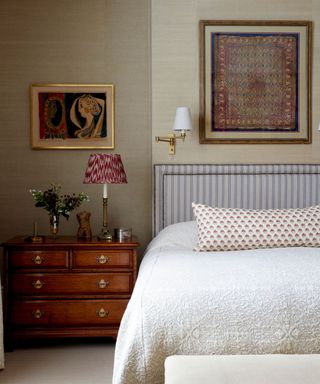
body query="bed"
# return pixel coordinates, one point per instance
(255, 301)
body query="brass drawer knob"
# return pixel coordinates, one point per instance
(37, 314)
(103, 283)
(38, 284)
(102, 259)
(102, 312)
(38, 260)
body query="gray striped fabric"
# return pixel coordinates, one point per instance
(231, 185)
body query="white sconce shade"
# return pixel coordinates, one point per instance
(319, 127)
(182, 121)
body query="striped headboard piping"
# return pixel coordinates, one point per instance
(231, 185)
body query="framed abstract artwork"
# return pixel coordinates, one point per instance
(72, 116)
(255, 82)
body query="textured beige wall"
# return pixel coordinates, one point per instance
(79, 41)
(175, 76)
(107, 41)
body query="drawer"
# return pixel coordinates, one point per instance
(67, 313)
(102, 259)
(72, 283)
(38, 259)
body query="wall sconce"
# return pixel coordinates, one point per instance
(182, 123)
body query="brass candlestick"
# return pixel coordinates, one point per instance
(35, 238)
(105, 233)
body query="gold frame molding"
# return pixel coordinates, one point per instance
(104, 113)
(304, 136)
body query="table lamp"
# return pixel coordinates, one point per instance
(105, 169)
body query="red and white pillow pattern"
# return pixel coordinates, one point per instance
(230, 229)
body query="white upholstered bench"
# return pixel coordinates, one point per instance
(243, 369)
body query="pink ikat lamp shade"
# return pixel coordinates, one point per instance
(105, 169)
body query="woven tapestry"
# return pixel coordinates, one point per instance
(255, 82)
(255, 86)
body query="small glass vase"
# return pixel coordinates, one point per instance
(54, 225)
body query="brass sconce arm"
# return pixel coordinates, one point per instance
(171, 139)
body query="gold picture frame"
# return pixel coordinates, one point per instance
(255, 82)
(72, 116)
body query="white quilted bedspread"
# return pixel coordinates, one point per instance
(243, 302)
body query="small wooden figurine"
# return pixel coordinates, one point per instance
(84, 230)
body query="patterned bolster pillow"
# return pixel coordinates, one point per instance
(231, 229)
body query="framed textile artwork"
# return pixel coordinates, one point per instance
(255, 81)
(71, 116)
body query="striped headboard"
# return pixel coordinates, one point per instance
(231, 185)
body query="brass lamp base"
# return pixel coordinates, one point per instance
(105, 234)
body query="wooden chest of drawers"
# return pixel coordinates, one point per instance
(66, 288)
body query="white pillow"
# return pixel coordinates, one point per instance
(179, 235)
(230, 229)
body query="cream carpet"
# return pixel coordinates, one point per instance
(72, 363)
